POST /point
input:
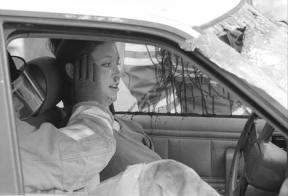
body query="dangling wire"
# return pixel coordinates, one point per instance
(173, 84)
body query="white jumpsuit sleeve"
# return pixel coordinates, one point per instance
(69, 158)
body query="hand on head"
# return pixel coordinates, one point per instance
(96, 76)
(84, 80)
(91, 70)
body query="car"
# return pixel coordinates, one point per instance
(209, 88)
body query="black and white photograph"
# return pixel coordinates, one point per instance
(144, 98)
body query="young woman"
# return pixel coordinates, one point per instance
(91, 74)
(70, 159)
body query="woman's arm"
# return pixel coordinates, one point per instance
(67, 159)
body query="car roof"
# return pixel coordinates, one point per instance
(172, 13)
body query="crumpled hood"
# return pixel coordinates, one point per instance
(258, 56)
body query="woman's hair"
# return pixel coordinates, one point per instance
(68, 51)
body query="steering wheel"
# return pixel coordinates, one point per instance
(238, 177)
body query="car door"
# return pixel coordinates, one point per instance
(190, 117)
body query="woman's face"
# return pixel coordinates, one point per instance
(106, 60)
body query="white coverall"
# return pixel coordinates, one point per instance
(69, 160)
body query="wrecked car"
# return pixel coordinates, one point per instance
(210, 91)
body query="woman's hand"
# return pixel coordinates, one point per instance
(84, 80)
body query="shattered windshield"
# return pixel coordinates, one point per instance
(262, 43)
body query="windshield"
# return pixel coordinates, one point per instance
(260, 51)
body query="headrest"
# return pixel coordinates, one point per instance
(47, 74)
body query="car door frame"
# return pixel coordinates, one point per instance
(11, 181)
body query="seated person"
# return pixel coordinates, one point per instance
(132, 144)
(70, 159)
(58, 159)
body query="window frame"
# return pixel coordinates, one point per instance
(171, 40)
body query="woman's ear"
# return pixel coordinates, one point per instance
(69, 67)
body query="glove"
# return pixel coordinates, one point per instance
(84, 80)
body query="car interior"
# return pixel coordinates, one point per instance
(183, 125)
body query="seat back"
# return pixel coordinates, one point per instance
(47, 74)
